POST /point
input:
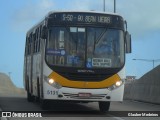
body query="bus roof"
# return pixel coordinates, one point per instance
(99, 12)
(52, 12)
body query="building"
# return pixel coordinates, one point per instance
(130, 79)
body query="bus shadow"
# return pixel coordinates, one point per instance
(71, 109)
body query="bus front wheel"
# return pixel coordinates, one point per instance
(104, 106)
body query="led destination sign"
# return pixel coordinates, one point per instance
(75, 18)
(90, 18)
(86, 18)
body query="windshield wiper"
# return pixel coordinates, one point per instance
(100, 36)
(96, 41)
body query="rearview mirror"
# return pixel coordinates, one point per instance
(128, 42)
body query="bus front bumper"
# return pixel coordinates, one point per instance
(86, 95)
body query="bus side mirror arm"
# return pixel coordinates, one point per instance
(128, 42)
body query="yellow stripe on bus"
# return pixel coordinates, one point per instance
(81, 84)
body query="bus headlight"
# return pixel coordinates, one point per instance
(52, 82)
(116, 85)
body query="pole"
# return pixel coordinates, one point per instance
(104, 5)
(147, 60)
(114, 6)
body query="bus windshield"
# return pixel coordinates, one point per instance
(85, 47)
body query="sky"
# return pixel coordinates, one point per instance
(18, 16)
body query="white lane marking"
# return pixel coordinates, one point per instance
(117, 118)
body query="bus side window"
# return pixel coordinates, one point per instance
(28, 47)
(35, 49)
(34, 42)
(39, 34)
(39, 39)
(30, 44)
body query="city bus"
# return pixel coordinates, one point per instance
(76, 56)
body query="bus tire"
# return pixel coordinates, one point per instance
(38, 92)
(104, 106)
(30, 98)
(44, 104)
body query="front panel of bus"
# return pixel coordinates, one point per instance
(85, 56)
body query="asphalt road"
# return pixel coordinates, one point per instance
(70, 111)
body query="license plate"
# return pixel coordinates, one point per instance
(84, 95)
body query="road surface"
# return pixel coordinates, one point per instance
(90, 111)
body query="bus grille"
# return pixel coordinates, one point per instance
(76, 96)
(85, 77)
